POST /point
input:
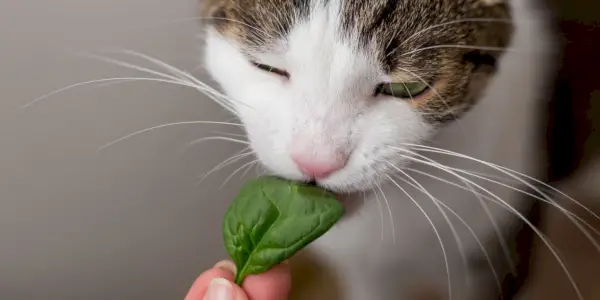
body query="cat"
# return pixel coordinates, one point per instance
(375, 100)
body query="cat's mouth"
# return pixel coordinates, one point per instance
(342, 197)
(350, 200)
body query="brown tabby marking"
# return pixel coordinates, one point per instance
(405, 36)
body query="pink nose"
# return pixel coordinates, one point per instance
(317, 168)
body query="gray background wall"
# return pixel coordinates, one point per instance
(125, 223)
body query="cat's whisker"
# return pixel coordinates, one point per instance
(462, 221)
(467, 20)
(457, 238)
(217, 138)
(502, 240)
(130, 66)
(234, 158)
(547, 198)
(164, 126)
(470, 47)
(580, 219)
(391, 215)
(213, 138)
(380, 207)
(235, 135)
(178, 74)
(435, 230)
(104, 80)
(238, 170)
(505, 169)
(256, 163)
(504, 204)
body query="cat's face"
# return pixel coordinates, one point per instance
(332, 90)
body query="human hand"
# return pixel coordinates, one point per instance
(217, 284)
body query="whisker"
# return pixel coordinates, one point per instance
(387, 203)
(381, 217)
(544, 195)
(459, 241)
(256, 163)
(103, 80)
(238, 170)
(232, 134)
(467, 20)
(212, 138)
(163, 126)
(129, 66)
(217, 138)
(485, 48)
(234, 158)
(503, 204)
(502, 240)
(499, 168)
(178, 74)
(434, 230)
(580, 219)
(460, 219)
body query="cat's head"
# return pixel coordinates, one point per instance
(331, 90)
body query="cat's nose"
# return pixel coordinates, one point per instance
(318, 168)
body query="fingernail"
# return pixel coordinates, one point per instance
(227, 265)
(219, 289)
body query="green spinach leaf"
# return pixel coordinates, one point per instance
(272, 219)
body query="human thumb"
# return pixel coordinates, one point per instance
(223, 289)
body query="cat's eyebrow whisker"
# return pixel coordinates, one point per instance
(471, 47)
(234, 158)
(416, 34)
(457, 238)
(391, 215)
(547, 198)
(258, 30)
(462, 221)
(435, 230)
(503, 204)
(164, 126)
(104, 80)
(467, 20)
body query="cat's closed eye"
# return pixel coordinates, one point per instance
(403, 90)
(266, 68)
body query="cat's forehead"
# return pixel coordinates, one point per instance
(387, 28)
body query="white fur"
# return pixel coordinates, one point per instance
(327, 106)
